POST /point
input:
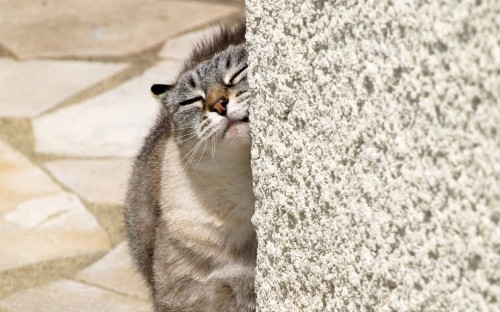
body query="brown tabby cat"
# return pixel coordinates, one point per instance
(190, 198)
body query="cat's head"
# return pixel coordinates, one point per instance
(209, 102)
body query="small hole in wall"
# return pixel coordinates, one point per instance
(302, 215)
(441, 46)
(417, 286)
(360, 105)
(272, 87)
(402, 30)
(397, 73)
(284, 288)
(427, 216)
(495, 217)
(390, 284)
(475, 103)
(320, 4)
(433, 255)
(369, 85)
(292, 221)
(474, 262)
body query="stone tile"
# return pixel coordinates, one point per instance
(15, 173)
(59, 28)
(180, 47)
(111, 124)
(38, 221)
(97, 181)
(117, 272)
(66, 295)
(48, 228)
(30, 88)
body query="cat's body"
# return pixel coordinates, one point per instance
(190, 197)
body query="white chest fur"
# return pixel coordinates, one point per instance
(212, 200)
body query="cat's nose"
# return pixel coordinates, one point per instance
(219, 106)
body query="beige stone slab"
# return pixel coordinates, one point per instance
(66, 295)
(38, 221)
(20, 180)
(62, 28)
(112, 124)
(97, 181)
(30, 88)
(117, 272)
(180, 47)
(49, 228)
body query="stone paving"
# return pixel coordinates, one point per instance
(74, 108)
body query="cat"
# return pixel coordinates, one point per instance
(190, 201)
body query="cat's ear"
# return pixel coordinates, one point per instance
(159, 89)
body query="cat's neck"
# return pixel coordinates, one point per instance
(216, 196)
(225, 161)
(221, 177)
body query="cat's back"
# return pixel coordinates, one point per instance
(142, 207)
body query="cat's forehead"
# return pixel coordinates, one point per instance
(221, 62)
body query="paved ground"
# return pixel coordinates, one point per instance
(74, 107)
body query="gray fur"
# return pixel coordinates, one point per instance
(190, 196)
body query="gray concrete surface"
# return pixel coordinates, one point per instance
(377, 154)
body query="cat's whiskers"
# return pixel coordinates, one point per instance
(193, 134)
(181, 128)
(194, 153)
(194, 130)
(189, 132)
(214, 148)
(205, 138)
(205, 123)
(191, 153)
(195, 148)
(202, 153)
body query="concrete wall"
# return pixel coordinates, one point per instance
(377, 154)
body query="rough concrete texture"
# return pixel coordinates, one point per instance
(377, 154)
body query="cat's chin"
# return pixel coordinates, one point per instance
(238, 132)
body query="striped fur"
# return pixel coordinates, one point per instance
(190, 198)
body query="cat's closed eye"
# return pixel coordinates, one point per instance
(191, 101)
(236, 77)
